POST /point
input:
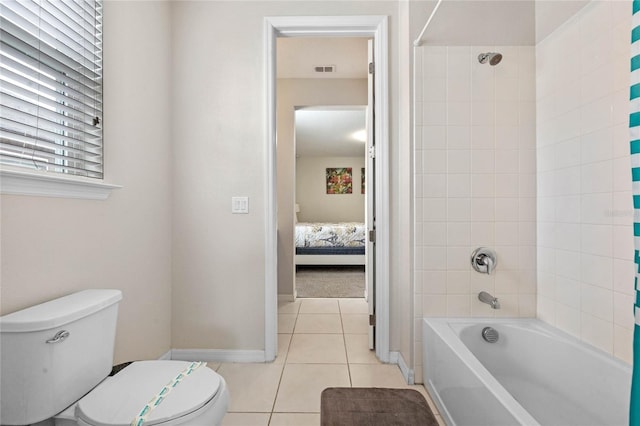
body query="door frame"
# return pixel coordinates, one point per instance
(375, 27)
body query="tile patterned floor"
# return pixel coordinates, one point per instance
(322, 343)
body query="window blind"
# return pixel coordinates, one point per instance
(51, 85)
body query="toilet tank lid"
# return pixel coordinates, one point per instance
(57, 312)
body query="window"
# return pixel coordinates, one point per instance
(51, 86)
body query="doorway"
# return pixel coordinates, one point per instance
(374, 27)
(330, 195)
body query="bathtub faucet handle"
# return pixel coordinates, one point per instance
(484, 260)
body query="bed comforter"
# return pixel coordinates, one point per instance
(346, 234)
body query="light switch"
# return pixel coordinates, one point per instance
(240, 205)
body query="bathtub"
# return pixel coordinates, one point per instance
(533, 375)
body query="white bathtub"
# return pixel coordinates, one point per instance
(533, 375)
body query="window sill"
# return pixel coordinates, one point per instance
(20, 182)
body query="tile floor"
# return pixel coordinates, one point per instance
(322, 343)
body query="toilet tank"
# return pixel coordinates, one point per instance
(54, 353)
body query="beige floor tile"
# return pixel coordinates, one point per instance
(355, 323)
(317, 349)
(295, 419)
(353, 306)
(423, 391)
(252, 387)
(286, 323)
(289, 307)
(358, 351)
(318, 323)
(319, 306)
(283, 348)
(246, 419)
(302, 384)
(382, 375)
(213, 365)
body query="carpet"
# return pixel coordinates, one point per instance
(330, 281)
(374, 407)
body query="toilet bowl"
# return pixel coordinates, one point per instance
(54, 364)
(116, 401)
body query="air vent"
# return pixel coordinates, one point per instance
(325, 68)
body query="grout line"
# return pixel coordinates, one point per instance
(284, 365)
(295, 323)
(344, 340)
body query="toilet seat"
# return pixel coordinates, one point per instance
(117, 401)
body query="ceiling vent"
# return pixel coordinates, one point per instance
(325, 68)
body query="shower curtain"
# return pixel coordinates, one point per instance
(634, 126)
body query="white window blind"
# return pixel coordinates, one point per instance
(51, 86)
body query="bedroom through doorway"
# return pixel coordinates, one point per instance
(330, 181)
(326, 81)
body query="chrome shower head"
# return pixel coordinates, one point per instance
(492, 57)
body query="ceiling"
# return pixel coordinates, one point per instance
(330, 131)
(490, 22)
(325, 131)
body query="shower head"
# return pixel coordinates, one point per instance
(492, 57)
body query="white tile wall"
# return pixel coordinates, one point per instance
(475, 181)
(585, 240)
(545, 183)
(530, 158)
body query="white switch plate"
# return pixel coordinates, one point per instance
(240, 205)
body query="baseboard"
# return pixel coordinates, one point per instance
(166, 355)
(218, 355)
(286, 298)
(396, 357)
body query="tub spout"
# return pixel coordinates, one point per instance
(485, 297)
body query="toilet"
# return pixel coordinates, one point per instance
(55, 360)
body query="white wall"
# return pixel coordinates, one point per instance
(219, 141)
(585, 211)
(184, 132)
(475, 182)
(53, 246)
(311, 190)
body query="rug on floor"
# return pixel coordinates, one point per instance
(374, 406)
(330, 281)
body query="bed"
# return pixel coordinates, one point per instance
(330, 243)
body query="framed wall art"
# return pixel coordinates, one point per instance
(339, 180)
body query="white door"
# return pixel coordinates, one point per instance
(370, 213)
